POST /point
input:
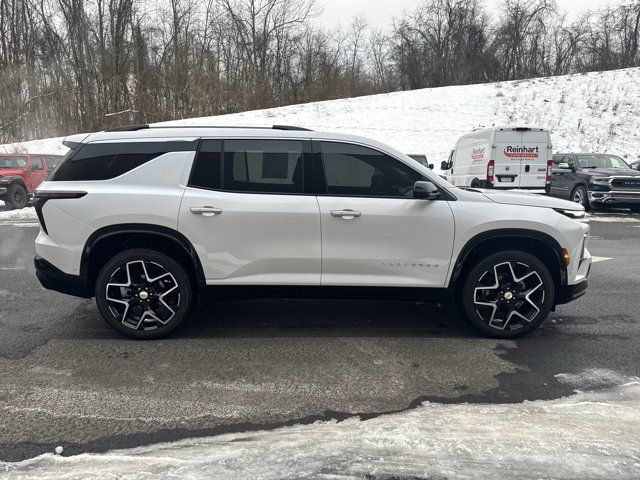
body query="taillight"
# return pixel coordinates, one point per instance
(490, 170)
(549, 167)
(54, 195)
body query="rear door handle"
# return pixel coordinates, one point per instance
(206, 211)
(346, 214)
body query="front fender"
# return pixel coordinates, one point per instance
(9, 179)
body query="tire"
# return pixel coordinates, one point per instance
(524, 285)
(17, 196)
(579, 195)
(137, 307)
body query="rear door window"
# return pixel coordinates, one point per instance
(207, 168)
(267, 166)
(36, 163)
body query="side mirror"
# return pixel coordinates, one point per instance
(563, 167)
(445, 165)
(430, 166)
(425, 190)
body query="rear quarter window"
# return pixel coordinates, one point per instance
(103, 161)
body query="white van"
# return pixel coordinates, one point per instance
(501, 157)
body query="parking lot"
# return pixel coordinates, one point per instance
(67, 379)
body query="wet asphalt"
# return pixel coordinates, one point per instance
(67, 379)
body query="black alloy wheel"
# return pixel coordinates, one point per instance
(508, 294)
(143, 293)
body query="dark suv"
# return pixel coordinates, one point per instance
(595, 180)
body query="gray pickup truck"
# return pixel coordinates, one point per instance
(595, 180)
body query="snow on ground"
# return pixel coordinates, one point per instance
(591, 434)
(597, 111)
(28, 213)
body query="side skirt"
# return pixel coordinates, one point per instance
(294, 291)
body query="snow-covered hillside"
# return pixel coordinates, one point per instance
(53, 146)
(592, 112)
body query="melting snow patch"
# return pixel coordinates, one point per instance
(588, 435)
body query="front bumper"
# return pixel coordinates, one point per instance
(569, 293)
(578, 286)
(615, 197)
(53, 278)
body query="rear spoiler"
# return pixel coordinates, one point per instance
(72, 141)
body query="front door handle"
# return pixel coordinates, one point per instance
(206, 211)
(346, 214)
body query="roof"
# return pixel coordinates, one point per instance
(146, 133)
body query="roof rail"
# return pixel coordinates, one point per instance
(133, 128)
(290, 127)
(128, 128)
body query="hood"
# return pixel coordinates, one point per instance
(610, 172)
(530, 200)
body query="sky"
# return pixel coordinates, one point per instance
(379, 13)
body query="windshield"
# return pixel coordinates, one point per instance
(13, 162)
(422, 159)
(602, 161)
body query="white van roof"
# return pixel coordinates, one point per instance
(482, 134)
(503, 128)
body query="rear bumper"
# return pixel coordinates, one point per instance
(569, 293)
(53, 278)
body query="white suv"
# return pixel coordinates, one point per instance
(146, 218)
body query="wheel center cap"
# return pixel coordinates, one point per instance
(144, 295)
(507, 296)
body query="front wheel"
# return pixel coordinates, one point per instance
(143, 294)
(17, 196)
(579, 195)
(508, 294)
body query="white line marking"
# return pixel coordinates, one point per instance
(611, 219)
(599, 259)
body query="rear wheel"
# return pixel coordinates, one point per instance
(508, 294)
(579, 195)
(143, 294)
(17, 196)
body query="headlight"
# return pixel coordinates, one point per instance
(579, 215)
(600, 180)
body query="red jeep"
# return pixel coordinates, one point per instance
(20, 175)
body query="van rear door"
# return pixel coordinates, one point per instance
(535, 153)
(506, 159)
